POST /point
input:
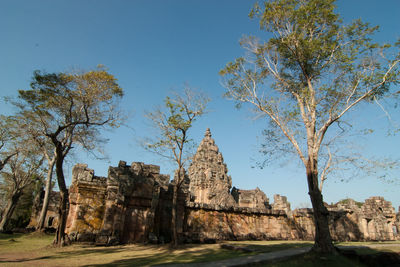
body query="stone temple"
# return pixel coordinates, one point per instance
(133, 204)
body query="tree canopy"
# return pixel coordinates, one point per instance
(67, 109)
(311, 70)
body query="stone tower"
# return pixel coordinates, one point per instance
(209, 181)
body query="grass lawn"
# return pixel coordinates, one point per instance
(361, 248)
(372, 247)
(36, 250)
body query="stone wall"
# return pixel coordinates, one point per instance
(118, 209)
(281, 203)
(87, 195)
(373, 220)
(133, 204)
(211, 222)
(250, 198)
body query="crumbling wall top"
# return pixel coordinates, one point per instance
(250, 198)
(281, 203)
(82, 174)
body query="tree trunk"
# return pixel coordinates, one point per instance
(60, 239)
(9, 210)
(62, 209)
(40, 226)
(323, 240)
(173, 214)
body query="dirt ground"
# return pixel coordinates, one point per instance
(36, 250)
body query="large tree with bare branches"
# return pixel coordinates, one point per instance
(6, 138)
(21, 171)
(70, 109)
(309, 73)
(172, 123)
(31, 132)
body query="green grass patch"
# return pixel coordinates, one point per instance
(365, 248)
(24, 242)
(270, 246)
(37, 251)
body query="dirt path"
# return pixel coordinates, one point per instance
(243, 261)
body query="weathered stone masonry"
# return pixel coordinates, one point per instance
(133, 204)
(117, 209)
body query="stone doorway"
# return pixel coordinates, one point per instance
(135, 225)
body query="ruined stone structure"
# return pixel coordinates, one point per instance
(121, 208)
(250, 198)
(373, 220)
(51, 220)
(133, 204)
(281, 203)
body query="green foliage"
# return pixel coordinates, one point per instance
(311, 44)
(71, 99)
(7, 137)
(69, 108)
(64, 109)
(346, 201)
(172, 123)
(313, 33)
(19, 183)
(309, 72)
(23, 210)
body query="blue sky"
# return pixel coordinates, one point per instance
(153, 47)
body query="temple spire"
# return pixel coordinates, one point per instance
(208, 133)
(208, 174)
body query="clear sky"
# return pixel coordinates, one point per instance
(153, 47)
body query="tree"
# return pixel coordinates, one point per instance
(5, 138)
(172, 123)
(32, 133)
(23, 211)
(49, 185)
(24, 170)
(70, 108)
(310, 73)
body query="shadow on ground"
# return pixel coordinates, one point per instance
(363, 256)
(67, 254)
(371, 257)
(8, 236)
(145, 255)
(171, 256)
(271, 247)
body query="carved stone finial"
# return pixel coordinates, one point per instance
(208, 133)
